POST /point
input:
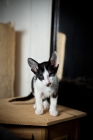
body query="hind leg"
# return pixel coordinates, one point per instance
(46, 104)
(34, 106)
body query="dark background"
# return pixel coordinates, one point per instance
(75, 20)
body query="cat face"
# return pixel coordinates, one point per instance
(45, 71)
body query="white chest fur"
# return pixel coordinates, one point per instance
(43, 90)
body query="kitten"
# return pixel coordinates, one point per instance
(44, 85)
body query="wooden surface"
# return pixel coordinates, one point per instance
(23, 113)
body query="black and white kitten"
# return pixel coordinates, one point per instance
(44, 85)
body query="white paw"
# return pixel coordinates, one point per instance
(53, 112)
(39, 111)
(46, 105)
(34, 106)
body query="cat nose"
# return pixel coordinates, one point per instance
(48, 84)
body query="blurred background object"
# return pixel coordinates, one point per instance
(7, 60)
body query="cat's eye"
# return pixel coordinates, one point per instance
(51, 74)
(41, 77)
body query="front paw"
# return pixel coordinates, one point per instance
(39, 111)
(53, 112)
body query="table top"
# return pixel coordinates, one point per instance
(23, 113)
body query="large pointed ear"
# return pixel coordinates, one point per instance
(54, 59)
(33, 64)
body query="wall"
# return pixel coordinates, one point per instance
(32, 21)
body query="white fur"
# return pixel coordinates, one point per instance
(42, 91)
(45, 104)
(46, 77)
(53, 105)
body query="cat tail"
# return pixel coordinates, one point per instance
(30, 96)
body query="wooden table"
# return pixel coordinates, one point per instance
(19, 118)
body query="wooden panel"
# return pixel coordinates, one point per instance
(23, 113)
(66, 130)
(61, 40)
(7, 60)
(44, 133)
(62, 138)
(24, 132)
